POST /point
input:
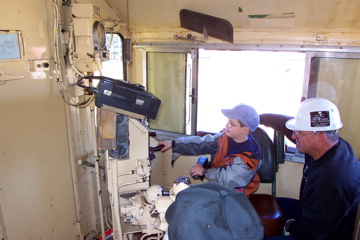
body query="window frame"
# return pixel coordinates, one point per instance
(123, 65)
(167, 135)
(349, 131)
(193, 48)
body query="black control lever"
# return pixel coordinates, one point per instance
(157, 148)
(154, 149)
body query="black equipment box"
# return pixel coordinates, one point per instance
(125, 98)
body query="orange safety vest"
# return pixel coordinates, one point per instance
(221, 161)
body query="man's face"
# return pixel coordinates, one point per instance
(305, 141)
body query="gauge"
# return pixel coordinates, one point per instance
(99, 36)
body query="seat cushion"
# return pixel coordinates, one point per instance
(269, 212)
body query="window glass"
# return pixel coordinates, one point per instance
(271, 82)
(114, 67)
(338, 80)
(166, 79)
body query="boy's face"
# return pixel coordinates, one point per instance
(235, 129)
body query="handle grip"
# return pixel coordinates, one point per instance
(158, 148)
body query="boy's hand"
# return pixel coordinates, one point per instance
(197, 169)
(167, 145)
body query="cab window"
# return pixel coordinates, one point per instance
(114, 67)
(195, 86)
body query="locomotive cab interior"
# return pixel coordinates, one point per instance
(89, 88)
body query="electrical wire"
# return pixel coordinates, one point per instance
(159, 236)
(68, 99)
(71, 51)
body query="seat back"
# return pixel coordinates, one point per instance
(268, 169)
(266, 205)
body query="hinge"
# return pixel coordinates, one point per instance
(193, 96)
(193, 53)
(77, 228)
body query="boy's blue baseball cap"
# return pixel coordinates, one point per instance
(246, 114)
(213, 211)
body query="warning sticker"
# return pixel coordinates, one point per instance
(320, 119)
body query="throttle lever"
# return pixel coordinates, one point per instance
(154, 149)
(157, 148)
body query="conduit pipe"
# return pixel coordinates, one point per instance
(60, 75)
(97, 170)
(114, 197)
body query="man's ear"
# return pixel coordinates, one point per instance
(322, 137)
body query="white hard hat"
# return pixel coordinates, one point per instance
(316, 114)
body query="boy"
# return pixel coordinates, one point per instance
(235, 153)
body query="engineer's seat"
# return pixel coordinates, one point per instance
(265, 204)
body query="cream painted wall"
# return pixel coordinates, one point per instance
(288, 179)
(44, 193)
(36, 193)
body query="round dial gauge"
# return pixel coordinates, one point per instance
(99, 36)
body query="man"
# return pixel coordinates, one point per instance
(330, 187)
(236, 154)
